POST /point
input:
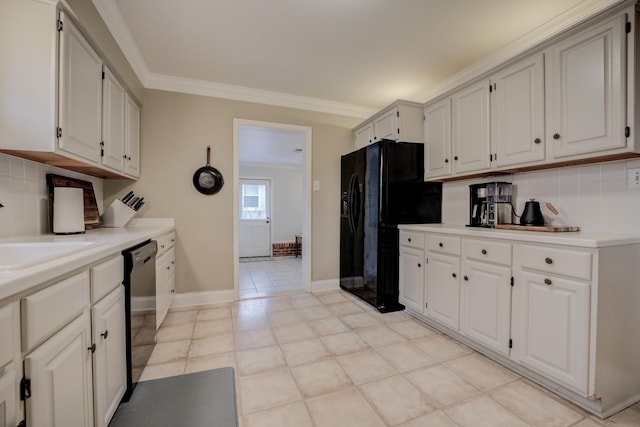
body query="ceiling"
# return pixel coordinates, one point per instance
(352, 57)
(258, 145)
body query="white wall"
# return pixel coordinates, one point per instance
(23, 192)
(286, 199)
(594, 197)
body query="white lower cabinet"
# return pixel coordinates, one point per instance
(485, 304)
(560, 309)
(8, 399)
(442, 289)
(554, 328)
(165, 275)
(59, 372)
(411, 276)
(109, 358)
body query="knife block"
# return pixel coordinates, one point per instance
(117, 215)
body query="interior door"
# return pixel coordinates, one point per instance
(255, 217)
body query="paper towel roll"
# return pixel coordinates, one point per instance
(68, 210)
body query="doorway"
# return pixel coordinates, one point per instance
(272, 203)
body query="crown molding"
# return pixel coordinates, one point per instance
(557, 25)
(259, 96)
(112, 17)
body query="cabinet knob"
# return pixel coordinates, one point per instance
(547, 281)
(454, 275)
(446, 160)
(466, 278)
(455, 157)
(92, 349)
(441, 244)
(537, 140)
(173, 240)
(105, 334)
(168, 268)
(419, 265)
(128, 158)
(162, 246)
(173, 262)
(124, 156)
(556, 136)
(484, 252)
(173, 291)
(409, 239)
(548, 260)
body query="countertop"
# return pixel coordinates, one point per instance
(571, 238)
(104, 242)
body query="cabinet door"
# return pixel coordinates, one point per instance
(109, 359)
(364, 136)
(8, 399)
(437, 139)
(586, 110)
(163, 293)
(442, 289)
(554, 328)
(60, 374)
(485, 304)
(385, 126)
(132, 136)
(80, 94)
(411, 278)
(517, 113)
(470, 128)
(113, 120)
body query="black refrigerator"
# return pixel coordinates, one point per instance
(381, 186)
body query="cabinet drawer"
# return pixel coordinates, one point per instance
(444, 244)
(48, 310)
(557, 261)
(411, 239)
(6, 335)
(105, 277)
(165, 242)
(486, 250)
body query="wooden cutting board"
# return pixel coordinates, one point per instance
(548, 228)
(91, 214)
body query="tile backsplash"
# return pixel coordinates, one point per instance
(23, 192)
(594, 197)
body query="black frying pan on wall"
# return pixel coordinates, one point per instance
(207, 179)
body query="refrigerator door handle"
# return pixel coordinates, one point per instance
(355, 203)
(350, 205)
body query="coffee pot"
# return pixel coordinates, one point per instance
(532, 215)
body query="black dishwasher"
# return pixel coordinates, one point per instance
(139, 281)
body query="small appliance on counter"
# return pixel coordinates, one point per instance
(490, 204)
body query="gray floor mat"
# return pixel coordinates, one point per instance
(201, 399)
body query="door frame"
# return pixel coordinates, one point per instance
(306, 199)
(270, 181)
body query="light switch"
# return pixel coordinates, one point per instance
(316, 185)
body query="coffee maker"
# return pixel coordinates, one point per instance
(490, 204)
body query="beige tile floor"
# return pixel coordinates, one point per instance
(277, 276)
(331, 360)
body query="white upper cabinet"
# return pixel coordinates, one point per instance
(113, 121)
(470, 123)
(401, 121)
(437, 139)
(586, 91)
(517, 113)
(132, 138)
(80, 94)
(364, 135)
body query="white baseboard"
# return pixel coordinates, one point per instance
(190, 299)
(325, 285)
(143, 303)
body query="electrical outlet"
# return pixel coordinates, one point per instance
(633, 178)
(316, 185)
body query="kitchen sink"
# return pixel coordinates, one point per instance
(16, 256)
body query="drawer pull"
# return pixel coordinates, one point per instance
(441, 244)
(419, 265)
(162, 246)
(92, 349)
(168, 267)
(454, 275)
(409, 239)
(547, 281)
(105, 334)
(548, 260)
(484, 252)
(466, 278)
